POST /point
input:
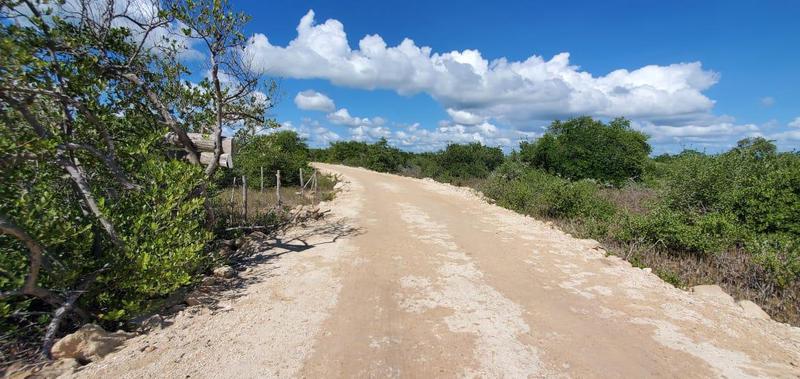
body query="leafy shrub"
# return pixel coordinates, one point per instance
(709, 233)
(538, 193)
(468, 161)
(164, 240)
(421, 165)
(378, 156)
(161, 230)
(283, 150)
(583, 148)
(779, 254)
(92, 204)
(748, 196)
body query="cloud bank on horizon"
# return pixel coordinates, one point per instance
(667, 102)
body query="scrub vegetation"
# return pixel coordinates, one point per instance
(102, 218)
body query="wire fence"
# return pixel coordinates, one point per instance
(247, 204)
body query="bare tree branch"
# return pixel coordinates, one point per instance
(35, 252)
(218, 102)
(78, 176)
(73, 169)
(27, 115)
(167, 118)
(109, 162)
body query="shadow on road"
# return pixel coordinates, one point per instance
(260, 248)
(255, 257)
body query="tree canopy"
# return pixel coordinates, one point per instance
(283, 150)
(584, 148)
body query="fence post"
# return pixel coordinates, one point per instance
(315, 187)
(262, 179)
(278, 186)
(244, 197)
(233, 205)
(233, 191)
(302, 188)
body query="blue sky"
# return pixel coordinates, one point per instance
(699, 74)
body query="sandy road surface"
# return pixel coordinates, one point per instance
(411, 278)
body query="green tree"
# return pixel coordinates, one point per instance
(584, 148)
(466, 161)
(283, 150)
(91, 204)
(378, 156)
(231, 96)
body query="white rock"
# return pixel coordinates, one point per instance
(89, 343)
(752, 310)
(712, 291)
(224, 272)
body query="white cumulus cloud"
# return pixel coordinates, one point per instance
(464, 117)
(315, 134)
(533, 89)
(314, 101)
(343, 117)
(708, 133)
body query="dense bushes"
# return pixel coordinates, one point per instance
(583, 148)
(378, 156)
(94, 205)
(454, 163)
(283, 150)
(160, 229)
(460, 162)
(748, 196)
(532, 191)
(164, 240)
(730, 218)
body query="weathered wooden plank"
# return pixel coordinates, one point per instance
(204, 143)
(225, 160)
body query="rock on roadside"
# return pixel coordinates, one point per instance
(146, 324)
(712, 291)
(198, 298)
(208, 281)
(749, 308)
(226, 272)
(752, 310)
(89, 343)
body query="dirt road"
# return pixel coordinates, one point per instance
(412, 278)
